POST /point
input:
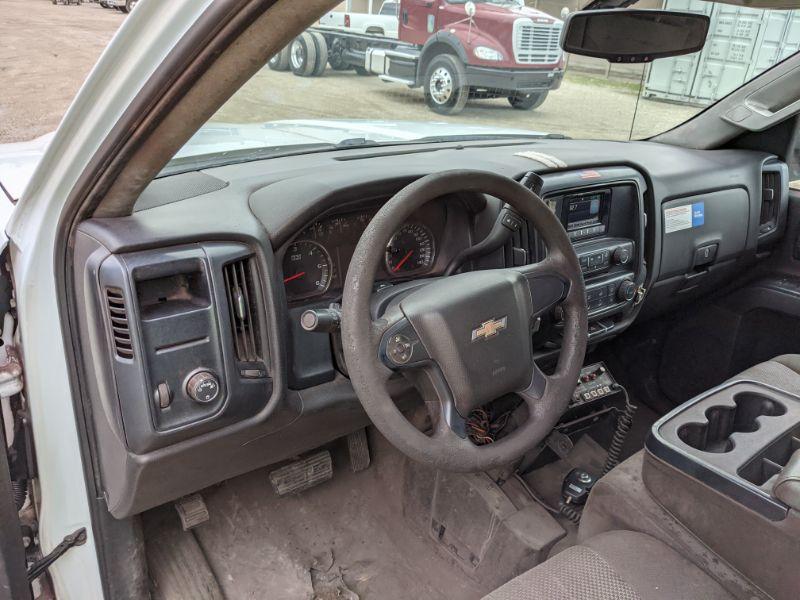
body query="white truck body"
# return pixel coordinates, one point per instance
(383, 23)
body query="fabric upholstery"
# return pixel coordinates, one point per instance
(617, 565)
(782, 372)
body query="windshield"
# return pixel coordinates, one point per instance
(366, 74)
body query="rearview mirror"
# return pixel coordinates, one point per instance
(633, 36)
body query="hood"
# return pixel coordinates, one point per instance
(18, 162)
(509, 12)
(214, 138)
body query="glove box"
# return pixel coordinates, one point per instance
(703, 230)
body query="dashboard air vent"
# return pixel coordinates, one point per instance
(240, 287)
(120, 328)
(770, 200)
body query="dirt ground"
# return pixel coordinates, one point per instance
(46, 51)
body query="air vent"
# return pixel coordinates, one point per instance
(770, 201)
(240, 286)
(120, 329)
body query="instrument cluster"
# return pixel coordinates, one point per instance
(316, 262)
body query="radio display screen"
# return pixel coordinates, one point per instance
(586, 210)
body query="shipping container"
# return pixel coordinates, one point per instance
(742, 42)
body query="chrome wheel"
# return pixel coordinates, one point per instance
(298, 55)
(441, 85)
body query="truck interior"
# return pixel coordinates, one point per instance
(507, 367)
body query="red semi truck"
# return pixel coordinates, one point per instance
(453, 49)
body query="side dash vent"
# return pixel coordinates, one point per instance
(770, 201)
(240, 287)
(120, 328)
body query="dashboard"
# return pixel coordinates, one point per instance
(189, 309)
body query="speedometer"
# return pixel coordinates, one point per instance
(411, 250)
(306, 269)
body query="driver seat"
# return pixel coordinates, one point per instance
(616, 565)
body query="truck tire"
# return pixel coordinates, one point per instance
(321, 47)
(303, 55)
(130, 5)
(446, 90)
(282, 60)
(522, 101)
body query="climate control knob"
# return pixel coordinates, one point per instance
(203, 387)
(626, 291)
(622, 255)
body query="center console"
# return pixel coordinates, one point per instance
(727, 466)
(737, 439)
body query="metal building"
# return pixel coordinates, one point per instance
(742, 42)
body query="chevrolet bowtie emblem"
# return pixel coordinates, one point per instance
(489, 328)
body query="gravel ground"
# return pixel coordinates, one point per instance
(46, 51)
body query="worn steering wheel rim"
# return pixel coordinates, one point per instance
(546, 396)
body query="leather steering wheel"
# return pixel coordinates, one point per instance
(465, 339)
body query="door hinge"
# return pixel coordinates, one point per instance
(40, 566)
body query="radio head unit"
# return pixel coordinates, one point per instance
(586, 214)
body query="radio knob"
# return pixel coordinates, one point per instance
(622, 255)
(626, 291)
(203, 387)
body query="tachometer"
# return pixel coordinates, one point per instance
(410, 250)
(306, 269)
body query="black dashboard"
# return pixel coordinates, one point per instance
(189, 309)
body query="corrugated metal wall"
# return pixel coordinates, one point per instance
(742, 42)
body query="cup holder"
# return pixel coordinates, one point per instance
(723, 421)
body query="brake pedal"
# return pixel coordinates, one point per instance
(302, 474)
(192, 510)
(358, 446)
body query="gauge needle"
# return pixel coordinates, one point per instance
(402, 261)
(293, 277)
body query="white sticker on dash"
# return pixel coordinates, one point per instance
(677, 218)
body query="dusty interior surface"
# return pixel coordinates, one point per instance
(347, 538)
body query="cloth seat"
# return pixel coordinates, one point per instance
(616, 565)
(782, 372)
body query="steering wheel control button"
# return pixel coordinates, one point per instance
(203, 387)
(399, 349)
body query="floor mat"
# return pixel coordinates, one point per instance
(346, 538)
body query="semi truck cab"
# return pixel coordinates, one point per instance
(453, 50)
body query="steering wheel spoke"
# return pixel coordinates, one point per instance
(401, 349)
(547, 284)
(536, 390)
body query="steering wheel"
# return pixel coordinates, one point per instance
(465, 339)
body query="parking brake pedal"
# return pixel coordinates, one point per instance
(302, 474)
(192, 510)
(358, 446)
